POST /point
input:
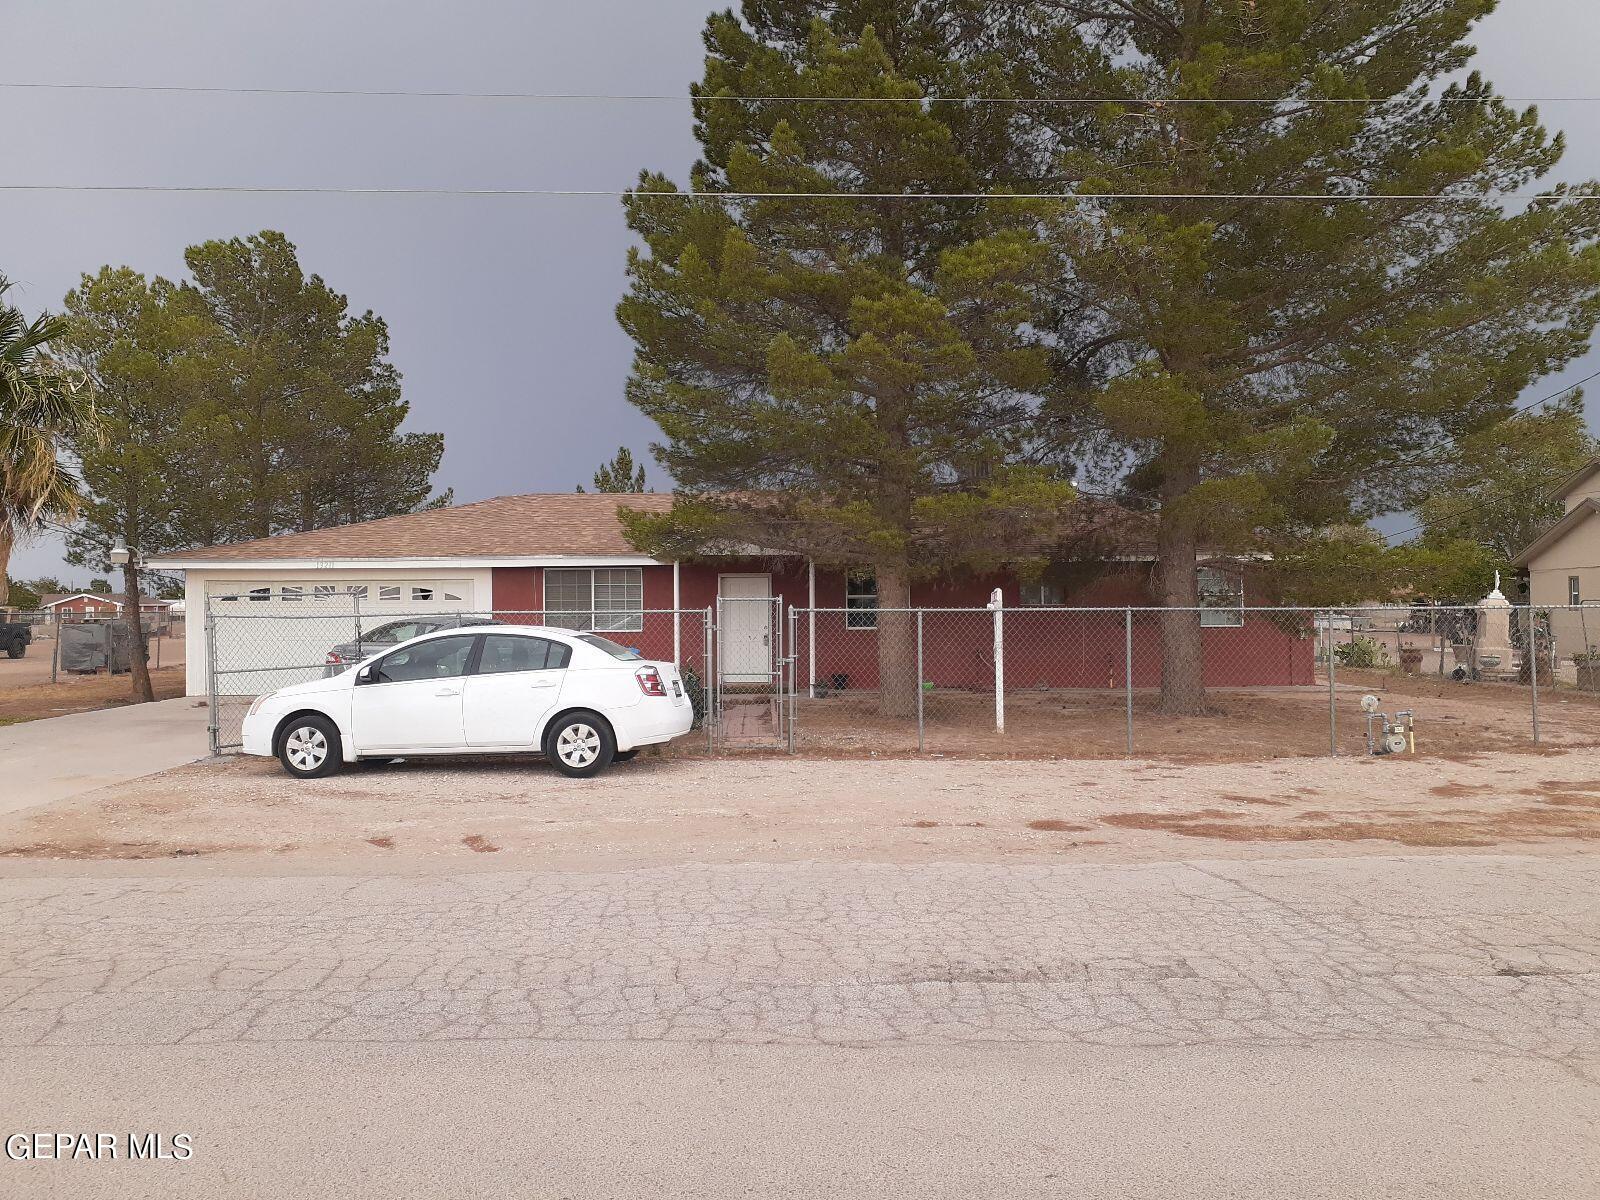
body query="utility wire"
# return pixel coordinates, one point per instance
(721, 98)
(1232, 197)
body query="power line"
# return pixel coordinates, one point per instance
(721, 98)
(617, 193)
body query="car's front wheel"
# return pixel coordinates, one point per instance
(308, 747)
(580, 744)
(17, 648)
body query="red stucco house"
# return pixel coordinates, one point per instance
(562, 559)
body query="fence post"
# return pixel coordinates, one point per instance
(213, 723)
(920, 689)
(707, 699)
(1533, 677)
(1127, 671)
(996, 606)
(794, 676)
(1333, 706)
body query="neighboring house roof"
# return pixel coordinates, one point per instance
(1580, 513)
(52, 599)
(565, 523)
(1577, 479)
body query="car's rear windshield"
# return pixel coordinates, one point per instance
(610, 647)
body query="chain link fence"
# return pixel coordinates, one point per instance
(1191, 684)
(251, 654)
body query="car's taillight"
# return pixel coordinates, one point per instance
(650, 682)
(334, 658)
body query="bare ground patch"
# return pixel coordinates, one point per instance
(657, 810)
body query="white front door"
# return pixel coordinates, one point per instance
(414, 698)
(745, 641)
(517, 683)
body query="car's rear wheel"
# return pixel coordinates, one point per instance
(308, 747)
(580, 744)
(17, 648)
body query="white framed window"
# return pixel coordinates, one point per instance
(861, 600)
(422, 593)
(293, 592)
(1041, 595)
(389, 593)
(324, 591)
(1221, 598)
(452, 596)
(609, 599)
(1574, 589)
(358, 590)
(261, 594)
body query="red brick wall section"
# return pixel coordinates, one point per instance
(516, 590)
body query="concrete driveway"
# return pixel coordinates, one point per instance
(58, 757)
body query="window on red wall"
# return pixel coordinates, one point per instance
(1221, 597)
(861, 600)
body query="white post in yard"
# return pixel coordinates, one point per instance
(677, 617)
(995, 605)
(811, 628)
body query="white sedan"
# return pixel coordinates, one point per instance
(580, 699)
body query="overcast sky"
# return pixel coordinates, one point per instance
(499, 309)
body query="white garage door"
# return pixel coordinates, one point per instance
(273, 632)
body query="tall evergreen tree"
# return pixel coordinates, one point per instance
(841, 378)
(1255, 371)
(134, 342)
(304, 399)
(619, 475)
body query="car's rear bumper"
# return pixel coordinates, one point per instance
(653, 722)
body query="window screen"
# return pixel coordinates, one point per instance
(861, 601)
(1221, 597)
(605, 598)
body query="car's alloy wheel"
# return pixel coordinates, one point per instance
(310, 748)
(581, 745)
(578, 745)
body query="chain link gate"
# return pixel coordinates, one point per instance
(750, 674)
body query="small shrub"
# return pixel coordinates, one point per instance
(1361, 653)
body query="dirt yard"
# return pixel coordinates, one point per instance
(1266, 723)
(76, 693)
(246, 814)
(26, 693)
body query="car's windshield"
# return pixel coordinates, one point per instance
(610, 647)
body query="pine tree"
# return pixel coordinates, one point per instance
(305, 403)
(619, 475)
(851, 380)
(1255, 371)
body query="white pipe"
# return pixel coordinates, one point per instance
(995, 603)
(677, 620)
(811, 628)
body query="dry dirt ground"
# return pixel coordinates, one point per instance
(246, 814)
(77, 693)
(1265, 723)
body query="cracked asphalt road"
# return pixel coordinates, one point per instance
(1333, 1027)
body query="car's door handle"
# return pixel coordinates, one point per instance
(543, 683)
(448, 692)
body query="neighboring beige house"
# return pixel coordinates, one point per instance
(1563, 562)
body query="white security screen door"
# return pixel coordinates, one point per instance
(745, 642)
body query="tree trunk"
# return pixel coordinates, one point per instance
(897, 645)
(7, 539)
(1183, 690)
(143, 692)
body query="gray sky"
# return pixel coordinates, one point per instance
(500, 310)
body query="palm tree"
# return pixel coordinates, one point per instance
(41, 407)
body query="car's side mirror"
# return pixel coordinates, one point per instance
(365, 675)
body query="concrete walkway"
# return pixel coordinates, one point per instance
(49, 760)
